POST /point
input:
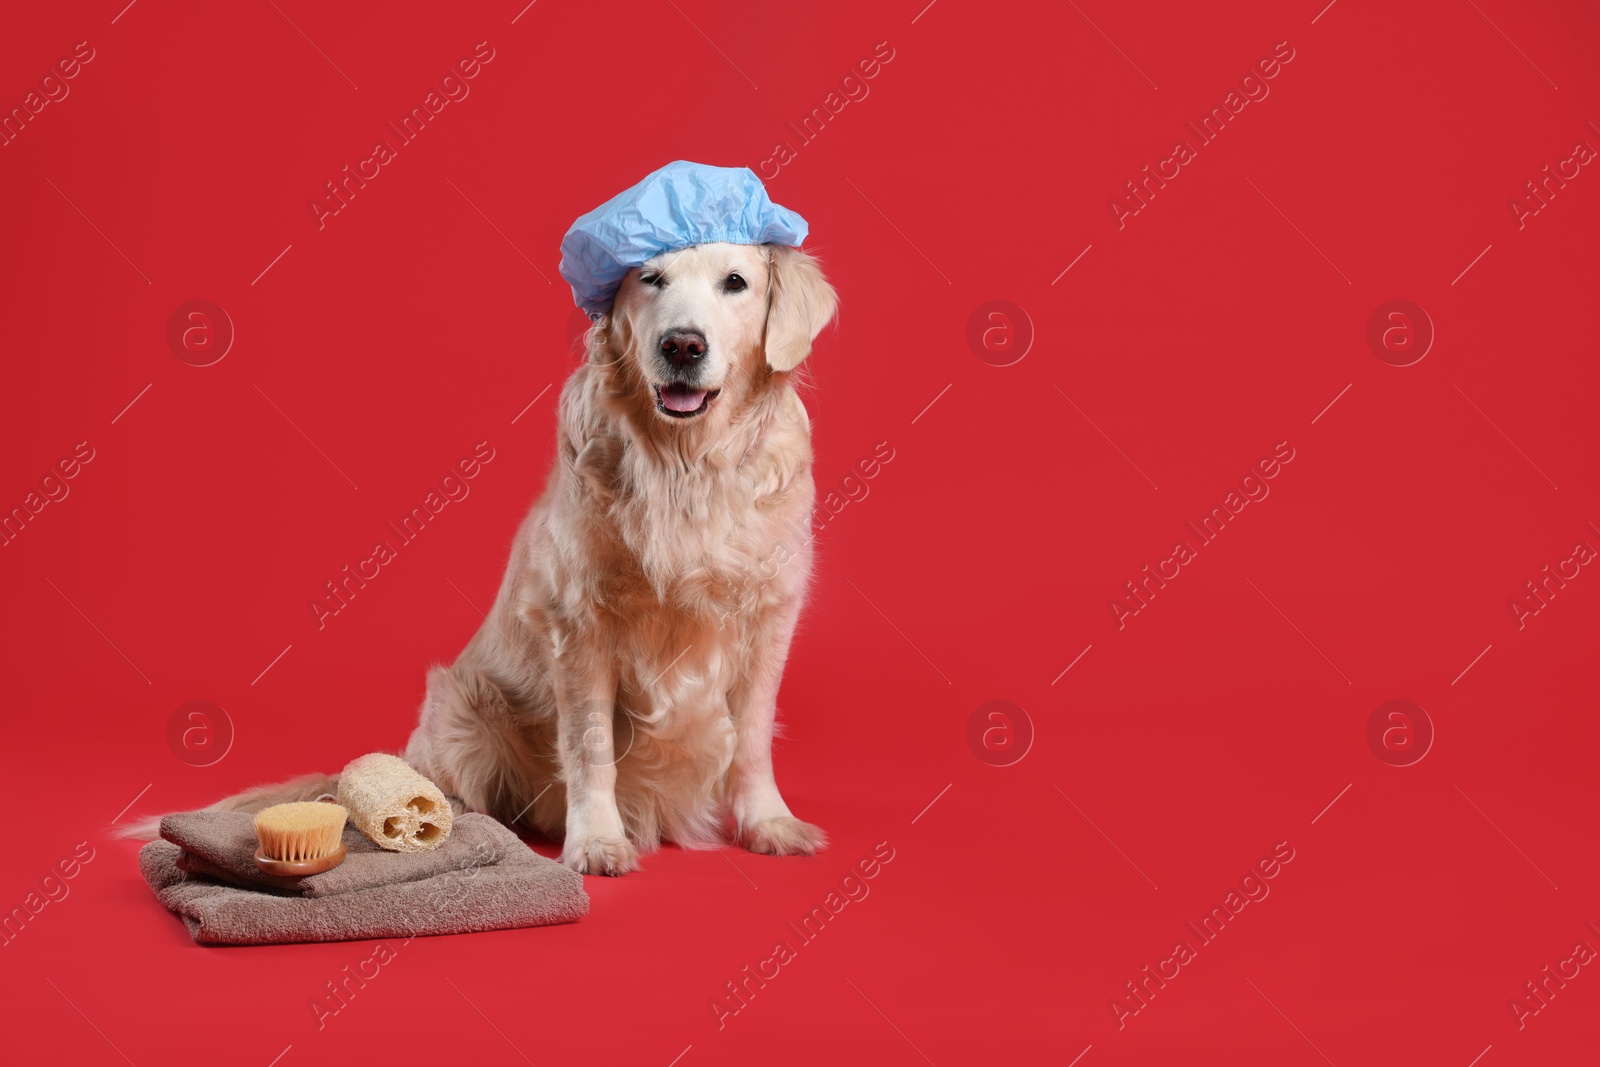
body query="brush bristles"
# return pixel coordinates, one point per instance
(305, 830)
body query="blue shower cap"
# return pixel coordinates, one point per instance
(680, 205)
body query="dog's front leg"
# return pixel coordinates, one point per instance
(595, 841)
(760, 813)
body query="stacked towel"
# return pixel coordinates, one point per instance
(482, 878)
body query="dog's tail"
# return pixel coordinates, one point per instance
(305, 787)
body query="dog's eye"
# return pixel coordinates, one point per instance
(733, 283)
(653, 280)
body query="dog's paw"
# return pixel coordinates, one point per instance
(600, 855)
(784, 836)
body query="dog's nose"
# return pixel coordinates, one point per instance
(683, 347)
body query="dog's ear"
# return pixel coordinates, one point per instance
(800, 302)
(611, 335)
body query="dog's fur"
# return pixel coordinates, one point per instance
(623, 688)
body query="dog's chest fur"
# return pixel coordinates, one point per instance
(713, 546)
(692, 558)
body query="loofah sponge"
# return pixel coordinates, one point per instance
(392, 804)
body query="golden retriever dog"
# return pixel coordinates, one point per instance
(623, 689)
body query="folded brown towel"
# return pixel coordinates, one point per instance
(222, 845)
(521, 888)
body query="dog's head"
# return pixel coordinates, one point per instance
(707, 326)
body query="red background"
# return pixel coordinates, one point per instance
(1221, 320)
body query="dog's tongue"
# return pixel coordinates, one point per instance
(679, 397)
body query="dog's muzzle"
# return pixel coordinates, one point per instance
(682, 350)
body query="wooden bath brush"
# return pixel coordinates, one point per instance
(306, 837)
